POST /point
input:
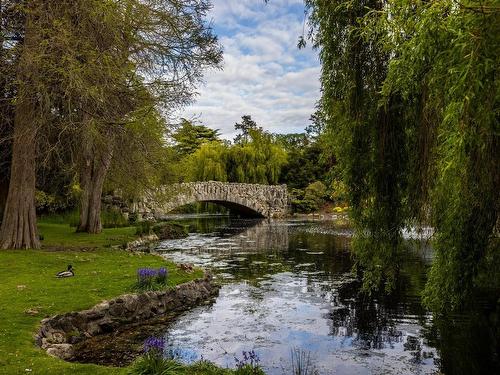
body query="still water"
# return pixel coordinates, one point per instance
(287, 287)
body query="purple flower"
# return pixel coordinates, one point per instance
(249, 359)
(145, 275)
(161, 276)
(154, 344)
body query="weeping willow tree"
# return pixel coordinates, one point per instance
(410, 88)
(369, 139)
(208, 163)
(446, 72)
(258, 160)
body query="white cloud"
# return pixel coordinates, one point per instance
(264, 74)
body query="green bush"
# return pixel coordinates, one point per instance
(133, 218)
(169, 231)
(50, 203)
(113, 218)
(338, 192)
(309, 200)
(69, 217)
(153, 363)
(316, 192)
(144, 228)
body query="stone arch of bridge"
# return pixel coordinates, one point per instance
(237, 207)
(270, 201)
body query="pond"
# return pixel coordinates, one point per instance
(287, 293)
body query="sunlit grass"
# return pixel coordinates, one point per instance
(29, 290)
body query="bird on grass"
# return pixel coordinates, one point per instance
(67, 273)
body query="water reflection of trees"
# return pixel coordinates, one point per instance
(467, 343)
(372, 321)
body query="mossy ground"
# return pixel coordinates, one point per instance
(29, 291)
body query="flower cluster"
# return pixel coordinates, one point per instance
(154, 344)
(162, 275)
(249, 359)
(146, 276)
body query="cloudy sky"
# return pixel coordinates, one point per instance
(264, 74)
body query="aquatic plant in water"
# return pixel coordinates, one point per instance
(302, 363)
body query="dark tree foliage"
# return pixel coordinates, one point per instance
(190, 136)
(305, 163)
(245, 127)
(83, 72)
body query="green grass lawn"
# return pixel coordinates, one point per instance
(62, 235)
(29, 291)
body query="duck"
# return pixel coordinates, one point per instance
(67, 273)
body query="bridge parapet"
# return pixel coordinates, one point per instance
(269, 201)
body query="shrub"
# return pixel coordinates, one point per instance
(169, 231)
(133, 218)
(308, 200)
(144, 228)
(315, 192)
(50, 203)
(113, 218)
(338, 192)
(69, 217)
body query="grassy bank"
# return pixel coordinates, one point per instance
(29, 291)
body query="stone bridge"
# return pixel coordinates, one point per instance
(249, 199)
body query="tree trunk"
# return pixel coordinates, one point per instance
(93, 170)
(4, 190)
(19, 218)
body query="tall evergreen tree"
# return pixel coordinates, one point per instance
(189, 137)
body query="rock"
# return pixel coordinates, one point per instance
(63, 351)
(56, 333)
(143, 243)
(32, 312)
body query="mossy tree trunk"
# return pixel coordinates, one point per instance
(94, 167)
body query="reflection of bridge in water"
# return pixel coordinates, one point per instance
(263, 236)
(252, 200)
(251, 236)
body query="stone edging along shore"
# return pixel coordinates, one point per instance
(58, 334)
